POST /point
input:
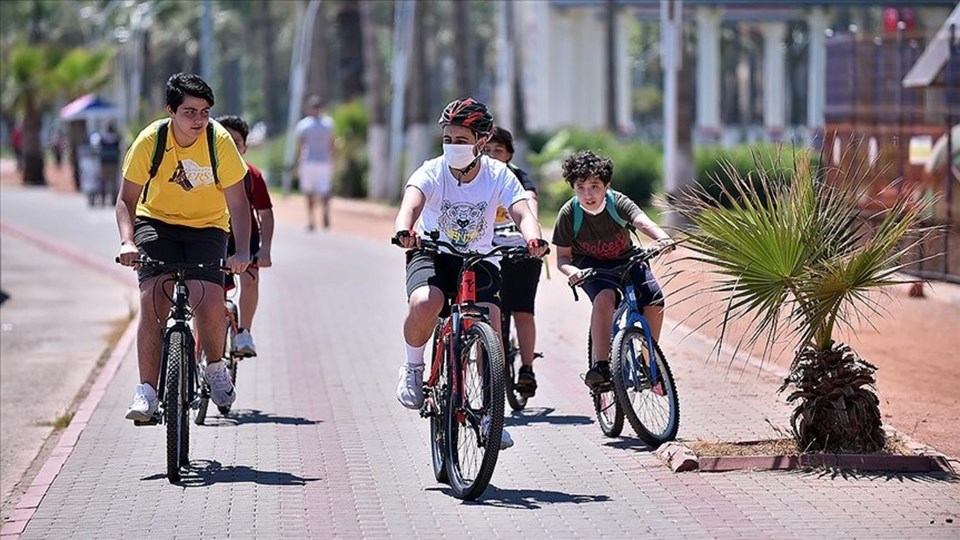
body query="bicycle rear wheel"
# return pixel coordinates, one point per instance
(174, 411)
(475, 413)
(609, 412)
(651, 404)
(511, 352)
(440, 394)
(203, 390)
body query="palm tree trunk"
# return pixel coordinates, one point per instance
(463, 57)
(32, 147)
(268, 69)
(611, 82)
(318, 71)
(418, 130)
(350, 48)
(377, 139)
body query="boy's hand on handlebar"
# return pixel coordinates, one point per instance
(128, 255)
(263, 259)
(238, 262)
(576, 278)
(406, 239)
(537, 247)
(666, 244)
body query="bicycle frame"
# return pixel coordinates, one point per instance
(635, 317)
(455, 324)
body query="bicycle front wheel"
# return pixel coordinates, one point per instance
(645, 387)
(174, 409)
(475, 414)
(609, 412)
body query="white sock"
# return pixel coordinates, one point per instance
(415, 354)
(148, 390)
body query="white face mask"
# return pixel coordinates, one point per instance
(603, 204)
(458, 156)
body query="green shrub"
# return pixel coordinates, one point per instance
(350, 169)
(713, 167)
(637, 168)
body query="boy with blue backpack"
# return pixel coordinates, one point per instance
(593, 231)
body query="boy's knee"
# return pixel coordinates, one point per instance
(426, 302)
(605, 300)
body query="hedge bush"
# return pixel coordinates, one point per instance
(637, 167)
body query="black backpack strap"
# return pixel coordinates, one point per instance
(159, 147)
(211, 146)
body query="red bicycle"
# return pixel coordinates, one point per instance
(231, 356)
(464, 392)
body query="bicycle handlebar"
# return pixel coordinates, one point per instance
(434, 244)
(640, 255)
(171, 267)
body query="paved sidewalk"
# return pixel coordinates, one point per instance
(319, 448)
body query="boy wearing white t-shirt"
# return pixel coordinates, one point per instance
(456, 194)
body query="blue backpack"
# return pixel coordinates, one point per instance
(611, 210)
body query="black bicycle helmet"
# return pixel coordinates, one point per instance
(468, 113)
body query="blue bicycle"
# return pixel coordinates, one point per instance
(642, 381)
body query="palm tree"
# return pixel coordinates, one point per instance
(795, 258)
(29, 86)
(79, 72)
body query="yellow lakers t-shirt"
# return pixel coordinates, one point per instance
(184, 192)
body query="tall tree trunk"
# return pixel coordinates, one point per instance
(232, 84)
(318, 72)
(418, 130)
(350, 48)
(686, 168)
(521, 145)
(611, 82)
(76, 137)
(32, 147)
(377, 138)
(463, 57)
(268, 70)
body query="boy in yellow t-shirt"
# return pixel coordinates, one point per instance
(177, 211)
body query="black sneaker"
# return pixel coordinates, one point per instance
(526, 382)
(599, 377)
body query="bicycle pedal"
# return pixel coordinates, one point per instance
(152, 422)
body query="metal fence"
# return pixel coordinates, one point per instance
(871, 120)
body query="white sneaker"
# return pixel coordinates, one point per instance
(506, 441)
(410, 386)
(243, 344)
(144, 404)
(221, 387)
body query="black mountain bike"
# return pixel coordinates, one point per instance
(179, 376)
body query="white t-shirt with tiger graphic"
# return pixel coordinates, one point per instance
(465, 214)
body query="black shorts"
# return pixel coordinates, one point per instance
(441, 271)
(520, 279)
(254, 244)
(646, 285)
(179, 244)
